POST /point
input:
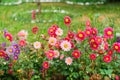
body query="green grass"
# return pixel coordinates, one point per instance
(100, 16)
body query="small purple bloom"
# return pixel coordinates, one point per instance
(15, 57)
(17, 51)
(7, 58)
(15, 46)
(10, 51)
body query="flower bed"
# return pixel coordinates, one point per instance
(57, 56)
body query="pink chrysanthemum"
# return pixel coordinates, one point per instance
(65, 45)
(22, 34)
(98, 39)
(68, 60)
(37, 45)
(94, 46)
(59, 32)
(93, 56)
(88, 31)
(70, 35)
(76, 54)
(9, 37)
(80, 36)
(45, 65)
(57, 54)
(108, 32)
(50, 54)
(116, 47)
(94, 31)
(67, 20)
(107, 58)
(52, 41)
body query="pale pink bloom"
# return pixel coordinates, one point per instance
(65, 45)
(52, 41)
(68, 60)
(37, 45)
(23, 34)
(59, 32)
(61, 56)
(57, 54)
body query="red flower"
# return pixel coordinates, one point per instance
(50, 54)
(52, 30)
(80, 36)
(2, 53)
(88, 31)
(10, 71)
(116, 47)
(35, 30)
(106, 46)
(9, 37)
(100, 51)
(22, 42)
(93, 56)
(110, 52)
(33, 14)
(67, 20)
(57, 45)
(107, 58)
(88, 23)
(98, 39)
(70, 34)
(94, 45)
(45, 65)
(108, 32)
(76, 54)
(117, 77)
(92, 39)
(94, 31)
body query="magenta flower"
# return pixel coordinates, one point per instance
(108, 32)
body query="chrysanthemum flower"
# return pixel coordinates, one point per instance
(92, 39)
(15, 46)
(92, 56)
(59, 32)
(80, 36)
(57, 54)
(17, 51)
(52, 30)
(107, 58)
(37, 45)
(35, 30)
(15, 57)
(22, 34)
(108, 32)
(94, 45)
(94, 31)
(88, 31)
(22, 42)
(76, 54)
(50, 54)
(116, 47)
(110, 52)
(52, 41)
(65, 45)
(57, 45)
(10, 51)
(106, 45)
(101, 51)
(9, 37)
(45, 65)
(2, 53)
(70, 35)
(98, 39)
(68, 60)
(67, 20)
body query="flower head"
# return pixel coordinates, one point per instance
(76, 54)
(67, 20)
(56, 54)
(37, 45)
(94, 45)
(70, 35)
(94, 31)
(108, 32)
(68, 60)
(116, 47)
(45, 65)
(50, 54)
(107, 58)
(9, 37)
(93, 56)
(59, 32)
(88, 31)
(80, 36)
(35, 30)
(110, 52)
(88, 23)
(22, 42)
(2, 53)
(52, 41)
(10, 51)
(22, 34)
(65, 45)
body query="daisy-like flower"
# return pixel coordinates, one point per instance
(88, 31)
(76, 54)
(2, 53)
(59, 32)
(37, 45)
(9, 36)
(52, 41)
(98, 39)
(94, 45)
(92, 39)
(52, 30)
(57, 54)
(10, 51)
(107, 58)
(92, 56)
(17, 51)
(45, 65)
(110, 52)
(80, 36)
(108, 32)
(94, 31)
(22, 42)
(68, 60)
(35, 30)
(67, 20)
(101, 51)
(50, 54)
(70, 35)
(15, 57)
(65, 45)
(116, 47)
(22, 34)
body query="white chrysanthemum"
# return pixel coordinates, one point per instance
(23, 34)
(65, 45)
(59, 32)
(68, 60)
(57, 54)
(37, 45)
(52, 41)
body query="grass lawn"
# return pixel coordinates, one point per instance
(100, 15)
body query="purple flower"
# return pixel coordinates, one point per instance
(17, 51)
(15, 46)
(10, 51)
(6, 58)
(15, 57)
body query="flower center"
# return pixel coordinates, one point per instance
(66, 20)
(10, 50)
(7, 37)
(76, 54)
(107, 59)
(109, 32)
(88, 32)
(0, 53)
(116, 47)
(80, 35)
(51, 54)
(65, 46)
(94, 45)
